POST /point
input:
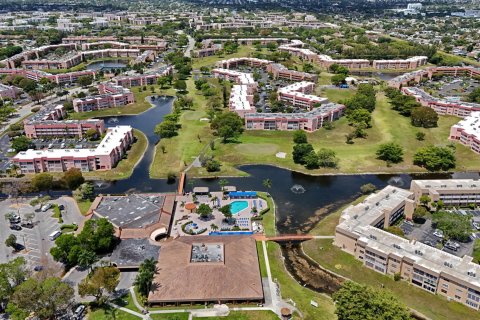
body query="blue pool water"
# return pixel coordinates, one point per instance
(237, 206)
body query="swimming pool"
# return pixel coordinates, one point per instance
(237, 206)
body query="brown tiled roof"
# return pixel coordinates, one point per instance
(179, 280)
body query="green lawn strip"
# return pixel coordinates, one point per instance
(170, 316)
(260, 147)
(84, 205)
(245, 315)
(291, 289)
(110, 313)
(326, 227)
(435, 307)
(261, 260)
(192, 137)
(127, 302)
(124, 168)
(336, 95)
(140, 105)
(243, 51)
(268, 220)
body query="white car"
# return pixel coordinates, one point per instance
(45, 207)
(438, 233)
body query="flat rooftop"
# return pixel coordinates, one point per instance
(448, 184)
(131, 211)
(130, 253)
(471, 124)
(236, 278)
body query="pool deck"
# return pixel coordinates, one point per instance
(215, 200)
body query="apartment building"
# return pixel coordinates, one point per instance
(66, 128)
(428, 73)
(109, 152)
(142, 79)
(360, 234)
(326, 61)
(236, 62)
(37, 75)
(8, 92)
(237, 76)
(467, 131)
(241, 100)
(298, 95)
(308, 121)
(110, 96)
(442, 106)
(454, 192)
(410, 63)
(279, 71)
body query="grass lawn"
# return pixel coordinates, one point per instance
(336, 95)
(246, 315)
(261, 260)
(434, 307)
(140, 105)
(269, 216)
(110, 314)
(193, 136)
(243, 51)
(127, 302)
(84, 205)
(125, 167)
(326, 227)
(291, 289)
(170, 316)
(359, 157)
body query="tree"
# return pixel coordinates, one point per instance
(311, 160)
(424, 117)
(222, 183)
(454, 226)
(91, 134)
(46, 298)
(425, 200)
(21, 143)
(212, 165)
(360, 115)
(85, 81)
(103, 280)
(327, 158)
(267, 183)
(390, 152)
(227, 125)
(204, 210)
(300, 151)
(420, 136)
(162, 82)
(86, 258)
(226, 211)
(166, 129)
(145, 276)
(11, 241)
(180, 85)
(73, 178)
(85, 191)
(419, 212)
(299, 136)
(98, 235)
(358, 302)
(42, 181)
(307, 67)
(338, 79)
(435, 158)
(368, 188)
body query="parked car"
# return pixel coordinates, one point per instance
(79, 311)
(38, 268)
(15, 227)
(452, 245)
(476, 225)
(438, 233)
(28, 225)
(45, 207)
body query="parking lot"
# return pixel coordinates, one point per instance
(425, 234)
(35, 239)
(64, 143)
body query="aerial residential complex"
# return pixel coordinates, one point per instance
(360, 234)
(110, 96)
(142, 79)
(48, 123)
(37, 75)
(109, 152)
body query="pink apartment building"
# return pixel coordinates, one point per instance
(467, 132)
(410, 63)
(110, 96)
(298, 95)
(428, 73)
(37, 75)
(278, 71)
(105, 157)
(142, 79)
(308, 121)
(8, 92)
(241, 100)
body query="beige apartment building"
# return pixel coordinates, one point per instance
(360, 233)
(454, 192)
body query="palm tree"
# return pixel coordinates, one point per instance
(267, 183)
(86, 259)
(214, 227)
(222, 183)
